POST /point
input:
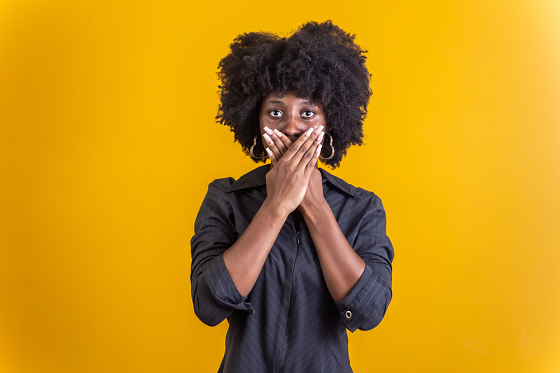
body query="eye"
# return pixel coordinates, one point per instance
(308, 114)
(275, 113)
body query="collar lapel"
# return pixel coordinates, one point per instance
(257, 178)
(252, 179)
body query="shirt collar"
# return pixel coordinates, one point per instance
(257, 178)
(251, 179)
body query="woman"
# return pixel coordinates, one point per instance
(291, 255)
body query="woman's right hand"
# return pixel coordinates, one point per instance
(287, 181)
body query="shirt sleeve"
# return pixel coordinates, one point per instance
(213, 292)
(365, 306)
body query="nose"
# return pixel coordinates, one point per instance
(292, 128)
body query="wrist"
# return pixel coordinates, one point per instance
(315, 211)
(275, 210)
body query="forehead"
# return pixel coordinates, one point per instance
(289, 98)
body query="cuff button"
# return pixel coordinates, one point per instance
(348, 314)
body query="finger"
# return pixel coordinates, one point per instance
(301, 145)
(314, 159)
(272, 146)
(320, 138)
(284, 139)
(272, 157)
(292, 151)
(313, 156)
(275, 136)
(309, 160)
(311, 142)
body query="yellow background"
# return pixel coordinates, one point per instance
(108, 143)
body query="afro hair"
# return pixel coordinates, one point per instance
(320, 61)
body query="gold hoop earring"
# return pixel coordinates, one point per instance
(251, 150)
(332, 150)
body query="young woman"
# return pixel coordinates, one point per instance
(291, 255)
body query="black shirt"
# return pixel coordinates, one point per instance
(289, 322)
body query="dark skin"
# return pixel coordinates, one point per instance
(292, 128)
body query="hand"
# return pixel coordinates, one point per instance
(279, 143)
(287, 182)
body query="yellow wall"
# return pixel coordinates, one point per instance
(108, 143)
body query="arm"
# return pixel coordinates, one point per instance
(341, 266)
(213, 292)
(359, 278)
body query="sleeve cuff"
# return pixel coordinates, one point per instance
(355, 308)
(222, 287)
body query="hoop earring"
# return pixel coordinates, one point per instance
(332, 150)
(251, 150)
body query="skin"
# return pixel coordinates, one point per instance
(292, 128)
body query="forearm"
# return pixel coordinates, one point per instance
(244, 259)
(341, 266)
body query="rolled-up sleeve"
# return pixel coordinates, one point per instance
(213, 292)
(365, 306)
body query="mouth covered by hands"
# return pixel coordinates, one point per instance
(278, 143)
(292, 166)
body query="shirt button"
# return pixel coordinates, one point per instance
(348, 314)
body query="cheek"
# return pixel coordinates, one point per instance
(263, 123)
(264, 119)
(319, 122)
(270, 123)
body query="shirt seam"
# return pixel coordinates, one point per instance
(281, 360)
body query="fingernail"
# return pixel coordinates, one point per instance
(267, 130)
(309, 132)
(267, 138)
(320, 128)
(278, 133)
(268, 151)
(320, 137)
(319, 149)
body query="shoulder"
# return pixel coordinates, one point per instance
(348, 188)
(217, 192)
(222, 184)
(253, 178)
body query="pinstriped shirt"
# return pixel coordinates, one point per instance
(289, 322)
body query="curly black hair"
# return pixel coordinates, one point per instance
(320, 61)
